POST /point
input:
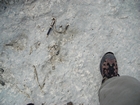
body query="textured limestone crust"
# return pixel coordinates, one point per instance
(64, 66)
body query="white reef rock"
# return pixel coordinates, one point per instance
(64, 66)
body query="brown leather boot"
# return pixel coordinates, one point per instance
(108, 66)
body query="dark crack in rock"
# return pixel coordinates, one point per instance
(18, 43)
(1, 70)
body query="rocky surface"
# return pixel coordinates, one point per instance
(64, 66)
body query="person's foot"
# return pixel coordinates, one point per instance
(108, 66)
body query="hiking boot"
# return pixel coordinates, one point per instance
(108, 66)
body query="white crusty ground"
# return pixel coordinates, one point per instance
(64, 67)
